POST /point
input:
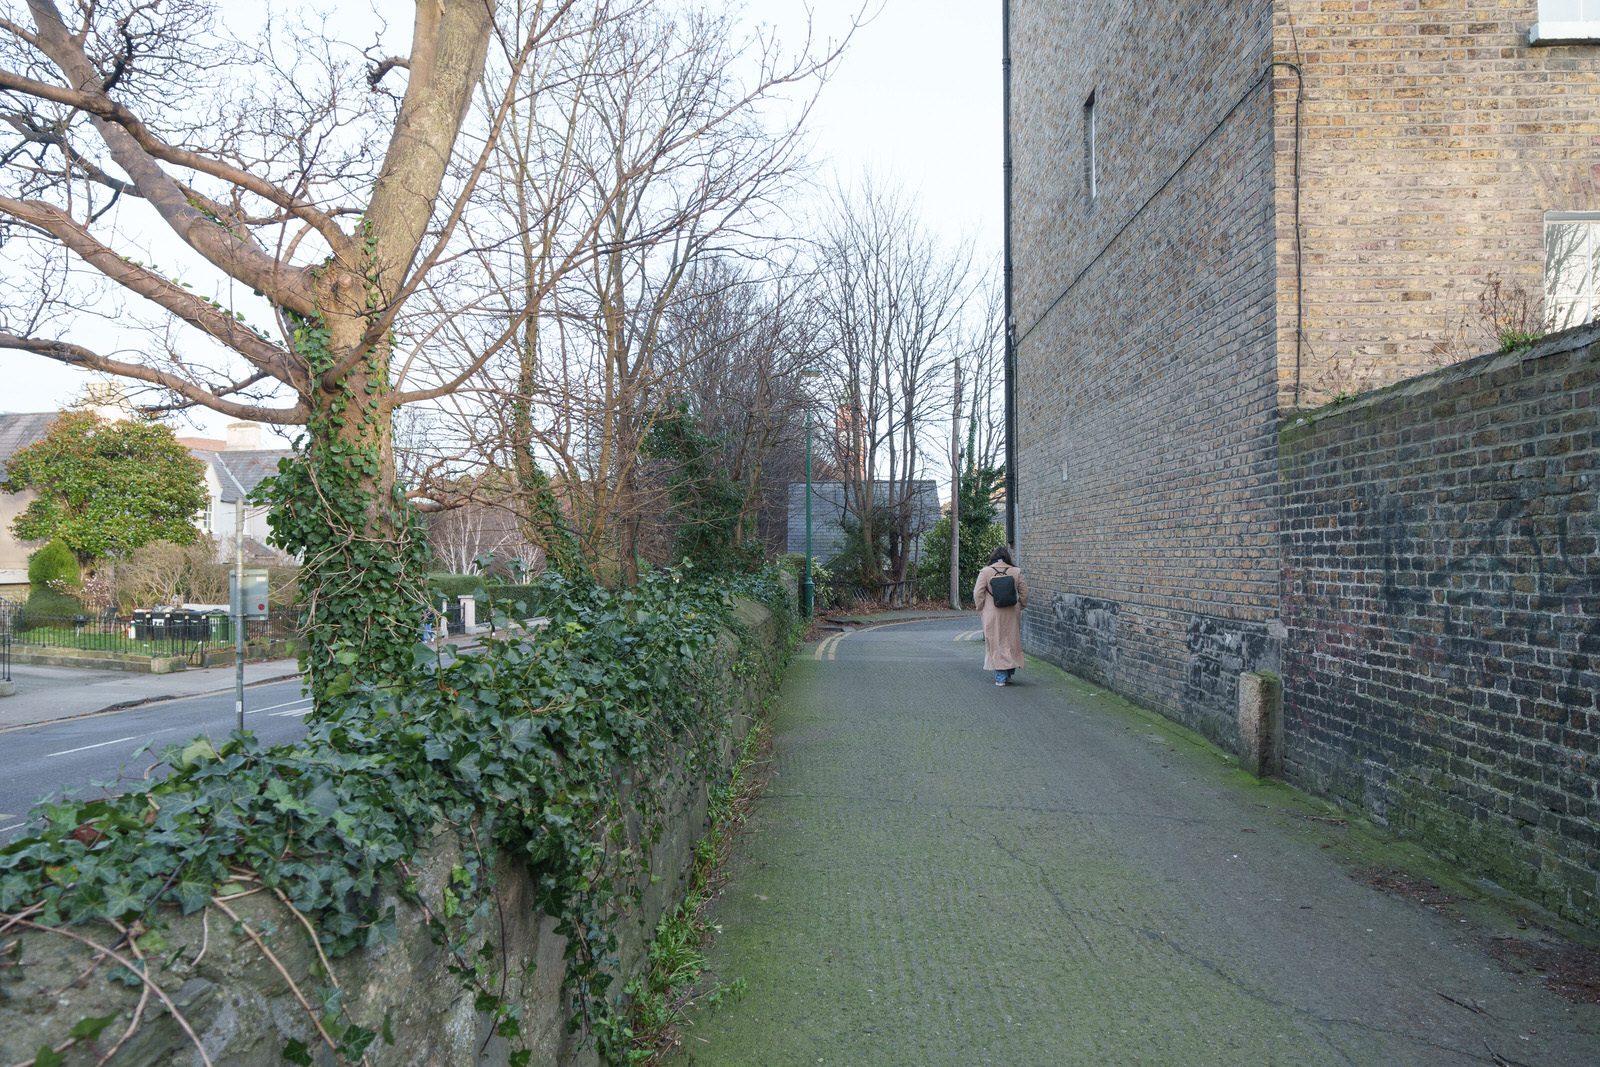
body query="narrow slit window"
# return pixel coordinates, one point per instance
(1091, 179)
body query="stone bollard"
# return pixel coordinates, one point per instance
(1261, 724)
(469, 613)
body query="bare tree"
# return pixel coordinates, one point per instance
(977, 380)
(265, 171)
(334, 217)
(652, 155)
(894, 301)
(745, 339)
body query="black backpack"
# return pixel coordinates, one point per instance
(1003, 591)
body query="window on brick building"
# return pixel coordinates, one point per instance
(1571, 267)
(1091, 179)
(1566, 22)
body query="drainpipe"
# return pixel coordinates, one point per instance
(1010, 321)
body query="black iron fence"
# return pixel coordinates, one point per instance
(837, 593)
(155, 632)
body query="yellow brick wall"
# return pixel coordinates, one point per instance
(1434, 139)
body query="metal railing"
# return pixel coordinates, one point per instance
(164, 633)
(839, 593)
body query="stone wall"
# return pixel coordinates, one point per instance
(244, 1012)
(1434, 140)
(1442, 600)
(1146, 370)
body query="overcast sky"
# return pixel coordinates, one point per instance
(916, 100)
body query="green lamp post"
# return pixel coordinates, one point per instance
(808, 594)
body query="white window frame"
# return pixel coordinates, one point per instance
(1572, 298)
(1550, 30)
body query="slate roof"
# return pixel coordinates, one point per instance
(18, 430)
(251, 467)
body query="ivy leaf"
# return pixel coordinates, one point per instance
(48, 1057)
(296, 1052)
(90, 1028)
(197, 751)
(192, 895)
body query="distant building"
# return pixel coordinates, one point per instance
(17, 431)
(237, 461)
(829, 511)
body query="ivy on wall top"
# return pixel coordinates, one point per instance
(517, 747)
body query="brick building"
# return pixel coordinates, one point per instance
(1222, 214)
(1167, 312)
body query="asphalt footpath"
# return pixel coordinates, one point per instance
(943, 871)
(51, 694)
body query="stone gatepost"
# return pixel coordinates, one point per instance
(469, 613)
(1261, 724)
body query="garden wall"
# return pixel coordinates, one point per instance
(1442, 603)
(244, 1012)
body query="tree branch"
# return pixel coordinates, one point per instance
(188, 306)
(78, 356)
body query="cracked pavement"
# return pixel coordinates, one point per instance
(943, 871)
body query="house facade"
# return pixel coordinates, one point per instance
(18, 430)
(238, 461)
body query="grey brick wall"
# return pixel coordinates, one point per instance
(1442, 600)
(1147, 377)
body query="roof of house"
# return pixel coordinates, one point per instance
(18, 430)
(249, 467)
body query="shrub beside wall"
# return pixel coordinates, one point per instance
(481, 859)
(1442, 600)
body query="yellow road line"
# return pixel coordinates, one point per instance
(829, 649)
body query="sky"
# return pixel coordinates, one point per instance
(915, 102)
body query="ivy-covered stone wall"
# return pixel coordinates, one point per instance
(562, 788)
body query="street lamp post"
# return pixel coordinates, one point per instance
(238, 595)
(807, 586)
(808, 594)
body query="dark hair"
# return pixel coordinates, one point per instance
(1001, 555)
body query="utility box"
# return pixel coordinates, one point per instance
(255, 592)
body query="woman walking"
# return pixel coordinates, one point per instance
(1001, 594)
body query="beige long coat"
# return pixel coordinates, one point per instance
(1002, 627)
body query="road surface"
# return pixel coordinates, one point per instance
(107, 751)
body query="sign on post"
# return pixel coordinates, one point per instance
(255, 593)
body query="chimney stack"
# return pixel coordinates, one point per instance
(243, 437)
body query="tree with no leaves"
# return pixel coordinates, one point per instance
(894, 302)
(264, 170)
(304, 189)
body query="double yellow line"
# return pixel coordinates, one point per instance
(829, 648)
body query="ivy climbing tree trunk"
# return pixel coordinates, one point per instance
(336, 290)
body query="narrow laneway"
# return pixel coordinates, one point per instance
(947, 872)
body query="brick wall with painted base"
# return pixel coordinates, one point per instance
(1442, 599)
(1147, 376)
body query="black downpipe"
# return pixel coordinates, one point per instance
(1010, 323)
